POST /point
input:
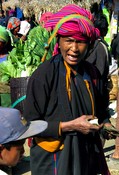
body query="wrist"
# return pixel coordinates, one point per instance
(67, 126)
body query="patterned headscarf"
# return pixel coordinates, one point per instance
(13, 23)
(73, 21)
(4, 35)
(45, 17)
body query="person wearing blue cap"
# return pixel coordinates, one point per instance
(14, 129)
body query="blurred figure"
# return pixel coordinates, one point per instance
(44, 18)
(5, 46)
(24, 29)
(98, 53)
(14, 26)
(4, 40)
(3, 19)
(100, 56)
(115, 47)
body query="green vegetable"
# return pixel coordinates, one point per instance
(26, 56)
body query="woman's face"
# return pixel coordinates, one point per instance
(72, 50)
(16, 30)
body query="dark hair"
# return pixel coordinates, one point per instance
(101, 23)
(94, 8)
(13, 143)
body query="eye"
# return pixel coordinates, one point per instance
(69, 40)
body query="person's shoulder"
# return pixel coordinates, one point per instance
(102, 46)
(48, 66)
(92, 70)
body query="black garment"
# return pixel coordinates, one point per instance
(3, 21)
(100, 57)
(115, 47)
(47, 99)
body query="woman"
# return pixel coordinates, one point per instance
(13, 26)
(4, 41)
(5, 99)
(63, 92)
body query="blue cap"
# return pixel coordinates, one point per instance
(13, 127)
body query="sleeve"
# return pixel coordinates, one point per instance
(38, 93)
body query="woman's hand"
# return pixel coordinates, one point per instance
(109, 131)
(80, 124)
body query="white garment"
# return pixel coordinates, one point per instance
(24, 28)
(2, 173)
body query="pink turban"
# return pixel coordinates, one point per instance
(73, 21)
(79, 25)
(45, 17)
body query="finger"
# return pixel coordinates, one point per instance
(94, 127)
(90, 117)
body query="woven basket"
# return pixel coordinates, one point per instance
(18, 88)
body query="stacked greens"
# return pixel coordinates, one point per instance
(26, 56)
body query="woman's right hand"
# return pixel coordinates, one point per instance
(80, 124)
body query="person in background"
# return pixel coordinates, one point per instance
(4, 41)
(13, 132)
(44, 18)
(100, 56)
(95, 9)
(3, 18)
(11, 12)
(5, 46)
(115, 47)
(13, 26)
(24, 30)
(63, 91)
(19, 13)
(100, 47)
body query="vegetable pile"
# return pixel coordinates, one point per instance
(26, 56)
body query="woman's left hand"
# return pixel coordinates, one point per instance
(108, 133)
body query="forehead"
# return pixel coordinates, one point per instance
(72, 39)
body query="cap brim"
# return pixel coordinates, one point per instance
(35, 127)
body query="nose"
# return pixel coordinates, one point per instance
(74, 46)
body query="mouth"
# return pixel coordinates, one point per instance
(73, 58)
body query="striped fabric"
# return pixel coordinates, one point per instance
(73, 21)
(80, 25)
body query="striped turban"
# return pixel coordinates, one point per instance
(45, 17)
(74, 21)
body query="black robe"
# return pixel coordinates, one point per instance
(47, 99)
